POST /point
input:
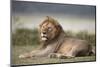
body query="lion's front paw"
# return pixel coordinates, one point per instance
(57, 55)
(52, 55)
(27, 55)
(21, 56)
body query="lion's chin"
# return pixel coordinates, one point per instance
(44, 39)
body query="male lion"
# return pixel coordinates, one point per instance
(56, 44)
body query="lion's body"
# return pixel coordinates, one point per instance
(56, 44)
(73, 47)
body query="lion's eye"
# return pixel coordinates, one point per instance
(49, 28)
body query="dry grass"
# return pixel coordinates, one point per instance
(17, 50)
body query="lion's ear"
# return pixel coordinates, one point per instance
(59, 27)
(48, 18)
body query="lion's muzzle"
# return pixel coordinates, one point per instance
(44, 36)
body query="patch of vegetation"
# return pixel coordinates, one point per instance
(30, 37)
(25, 40)
(84, 35)
(25, 37)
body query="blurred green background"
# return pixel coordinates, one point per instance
(31, 37)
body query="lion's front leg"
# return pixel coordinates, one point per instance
(29, 55)
(26, 55)
(37, 53)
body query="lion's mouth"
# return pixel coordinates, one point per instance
(44, 37)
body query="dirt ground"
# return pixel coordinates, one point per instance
(17, 50)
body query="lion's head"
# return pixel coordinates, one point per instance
(49, 29)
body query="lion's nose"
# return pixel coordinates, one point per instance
(44, 32)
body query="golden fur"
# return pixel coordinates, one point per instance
(56, 44)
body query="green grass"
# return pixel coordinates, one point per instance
(17, 50)
(30, 37)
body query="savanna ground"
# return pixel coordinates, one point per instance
(24, 40)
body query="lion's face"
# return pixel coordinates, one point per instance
(49, 29)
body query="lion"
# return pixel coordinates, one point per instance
(55, 43)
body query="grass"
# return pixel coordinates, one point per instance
(25, 40)
(17, 50)
(30, 37)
